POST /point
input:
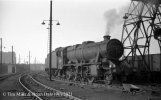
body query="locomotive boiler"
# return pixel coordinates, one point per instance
(89, 61)
(110, 49)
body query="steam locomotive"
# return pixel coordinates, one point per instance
(89, 61)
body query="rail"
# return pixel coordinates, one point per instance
(2, 77)
(61, 93)
(33, 94)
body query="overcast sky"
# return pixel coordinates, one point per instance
(81, 20)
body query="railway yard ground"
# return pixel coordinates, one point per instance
(11, 89)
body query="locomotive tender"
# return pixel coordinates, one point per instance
(89, 61)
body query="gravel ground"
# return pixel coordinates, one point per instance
(10, 89)
(96, 93)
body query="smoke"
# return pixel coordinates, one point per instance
(111, 16)
(114, 18)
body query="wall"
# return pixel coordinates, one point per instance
(37, 67)
(7, 58)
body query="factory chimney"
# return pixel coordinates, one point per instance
(106, 37)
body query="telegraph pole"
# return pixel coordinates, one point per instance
(50, 51)
(1, 57)
(12, 55)
(1, 51)
(50, 38)
(19, 59)
(29, 58)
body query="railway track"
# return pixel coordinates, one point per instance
(37, 90)
(7, 75)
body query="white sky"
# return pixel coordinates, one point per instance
(81, 20)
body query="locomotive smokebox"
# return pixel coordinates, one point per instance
(106, 37)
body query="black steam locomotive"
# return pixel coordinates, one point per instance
(89, 61)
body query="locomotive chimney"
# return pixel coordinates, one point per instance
(106, 37)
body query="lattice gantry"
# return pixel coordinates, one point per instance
(142, 22)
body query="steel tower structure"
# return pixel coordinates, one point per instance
(141, 23)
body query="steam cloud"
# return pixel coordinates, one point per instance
(114, 18)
